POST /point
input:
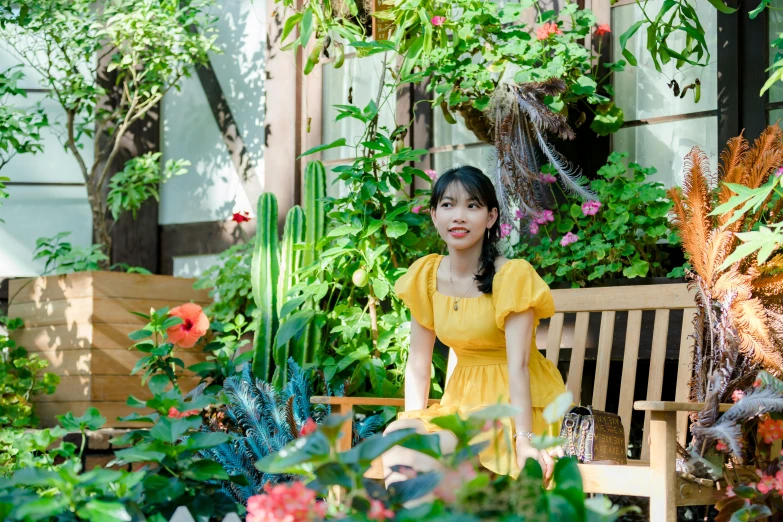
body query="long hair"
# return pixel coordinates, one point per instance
(480, 188)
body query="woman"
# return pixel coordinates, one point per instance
(486, 308)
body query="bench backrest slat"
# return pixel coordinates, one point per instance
(655, 379)
(630, 357)
(575, 370)
(554, 336)
(684, 372)
(605, 337)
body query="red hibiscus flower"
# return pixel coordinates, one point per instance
(194, 325)
(241, 217)
(602, 30)
(309, 427)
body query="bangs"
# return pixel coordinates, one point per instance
(454, 178)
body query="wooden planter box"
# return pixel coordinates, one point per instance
(80, 323)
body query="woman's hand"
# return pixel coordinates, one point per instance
(526, 451)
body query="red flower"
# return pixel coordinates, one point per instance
(546, 30)
(285, 503)
(309, 427)
(241, 217)
(720, 446)
(602, 30)
(770, 429)
(378, 511)
(194, 325)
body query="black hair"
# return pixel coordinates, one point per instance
(480, 188)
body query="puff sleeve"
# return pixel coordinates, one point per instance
(517, 288)
(416, 287)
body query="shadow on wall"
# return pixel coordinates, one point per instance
(212, 190)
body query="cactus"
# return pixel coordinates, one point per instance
(315, 214)
(264, 277)
(273, 272)
(290, 263)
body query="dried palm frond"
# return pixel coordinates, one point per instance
(521, 121)
(738, 327)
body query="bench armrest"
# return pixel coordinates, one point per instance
(673, 406)
(363, 401)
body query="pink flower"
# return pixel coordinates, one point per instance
(174, 413)
(291, 502)
(770, 429)
(590, 208)
(602, 30)
(437, 21)
(730, 491)
(546, 30)
(720, 446)
(767, 482)
(378, 511)
(533, 228)
(505, 230)
(568, 239)
(416, 209)
(779, 172)
(543, 217)
(309, 427)
(193, 327)
(757, 383)
(453, 480)
(737, 395)
(519, 214)
(431, 173)
(548, 178)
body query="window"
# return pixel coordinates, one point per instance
(661, 128)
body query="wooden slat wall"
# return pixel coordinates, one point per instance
(80, 324)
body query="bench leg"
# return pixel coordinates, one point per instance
(663, 455)
(345, 441)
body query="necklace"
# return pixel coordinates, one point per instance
(457, 299)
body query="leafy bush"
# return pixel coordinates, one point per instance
(61, 257)
(20, 380)
(229, 283)
(580, 242)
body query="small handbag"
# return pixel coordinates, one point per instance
(593, 436)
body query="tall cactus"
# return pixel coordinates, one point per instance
(264, 277)
(315, 215)
(290, 263)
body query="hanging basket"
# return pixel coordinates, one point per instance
(477, 122)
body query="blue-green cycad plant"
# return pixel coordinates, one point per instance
(269, 420)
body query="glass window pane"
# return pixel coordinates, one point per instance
(642, 92)
(774, 115)
(29, 214)
(450, 134)
(775, 31)
(364, 76)
(480, 157)
(664, 145)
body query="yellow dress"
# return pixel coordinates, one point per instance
(476, 333)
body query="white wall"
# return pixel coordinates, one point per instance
(212, 190)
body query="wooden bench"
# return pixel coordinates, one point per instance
(665, 423)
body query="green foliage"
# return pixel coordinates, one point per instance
(140, 180)
(160, 364)
(371, 230)
(765, 237)
(619, 241)
(477, 45)
(223, 359)
(461, 492)
(149, 47)
(229, 284)
(48, 483)
(20, 380)
(20, 130)
(62, 258)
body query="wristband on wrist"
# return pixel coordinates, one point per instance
(525, 434)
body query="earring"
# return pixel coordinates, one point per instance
(488, 233)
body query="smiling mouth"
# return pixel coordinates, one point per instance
(458, 230)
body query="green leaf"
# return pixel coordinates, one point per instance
(158, 383)
(138, 335)
(138, 454)
(396, 229)
(170, 430)
(556, 410)
(336, 143)
(205, 469)
(91, 420)
(42, 509)
(381, 288)
(305, 30)
(293, 326)
(203, 440)
(723, 8)
(101, 511)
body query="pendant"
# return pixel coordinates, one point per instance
(456, 306)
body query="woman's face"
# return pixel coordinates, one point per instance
(462, 221)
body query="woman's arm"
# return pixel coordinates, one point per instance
(519, 334)
(418, 368)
